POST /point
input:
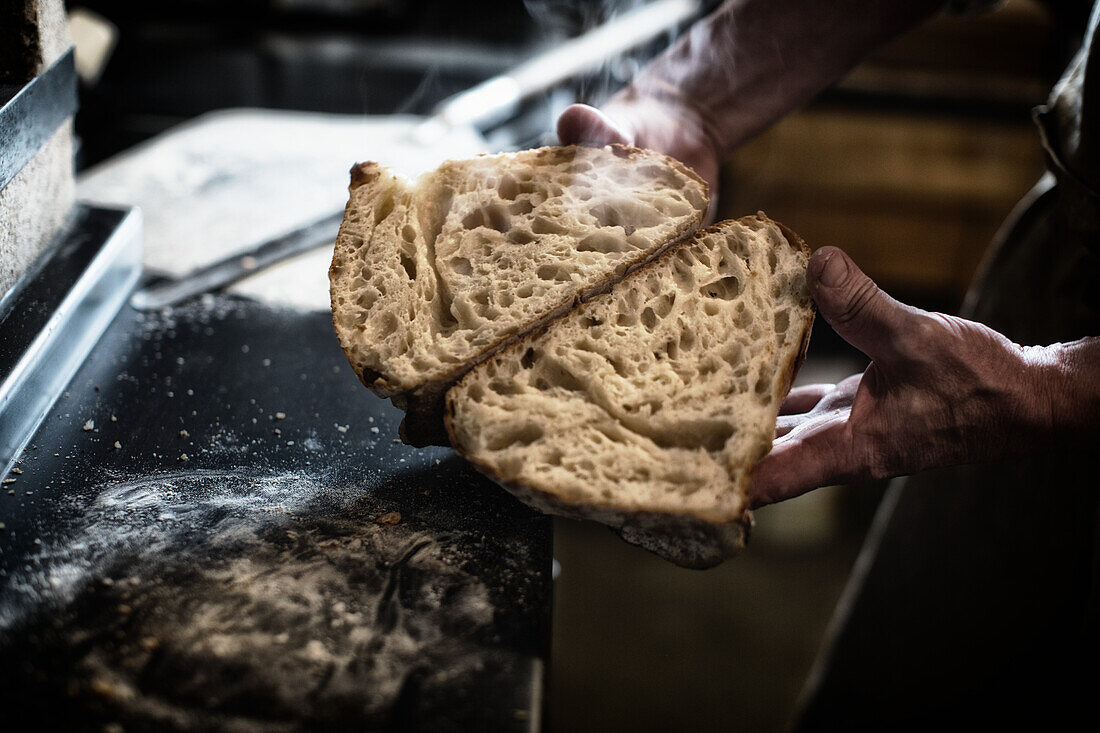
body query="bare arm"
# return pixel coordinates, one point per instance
(738, 71)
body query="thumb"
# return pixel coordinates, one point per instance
(580, 123)
(861, 313)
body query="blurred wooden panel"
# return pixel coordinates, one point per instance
(915, 163)
(914, 199)
(1000, 56)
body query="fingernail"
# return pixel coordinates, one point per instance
(830, 268)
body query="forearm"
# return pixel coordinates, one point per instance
(752, 61)
(1069, 383)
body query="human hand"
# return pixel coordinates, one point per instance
(939, 391)
(631, 119)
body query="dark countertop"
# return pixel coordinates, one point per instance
(215, 528)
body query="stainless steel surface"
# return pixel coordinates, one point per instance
(237, 266)
(53, 320)
(29, 115)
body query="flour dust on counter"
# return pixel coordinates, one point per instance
(205, 597)
(298, 571)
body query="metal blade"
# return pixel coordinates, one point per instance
(231, 269)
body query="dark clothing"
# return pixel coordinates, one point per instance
(974, 601)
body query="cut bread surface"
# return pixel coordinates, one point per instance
(429, 278)
(648, 407)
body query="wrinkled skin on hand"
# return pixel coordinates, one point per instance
(939, 391)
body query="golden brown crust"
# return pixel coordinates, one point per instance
(363, 173)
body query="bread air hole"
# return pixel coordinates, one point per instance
(409, 264)
(521, 207)
(649, 319)
(542, 225)
(461, 266)
(628, 214)
(508, 188)
(607, 216)
(686, 257)
(553, 272)
(728, 288)
(764, 383)
(561, 378)
(505, 388)
(387, 324)
(521, 236)
(384, 209)
(492, 216)
(663, 304)
(528, 359)
(782, 321)
(683, 277)
(734, 356)
(603, 242)
(687, 338)
(710, 435)
(507, 437)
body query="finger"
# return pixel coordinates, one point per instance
(580, 123)
(786, 423)
(841, 396)
(861, 313)
(802, 399)
(814, 455)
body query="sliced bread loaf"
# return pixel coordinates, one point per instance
(647, 407)
(431, 278)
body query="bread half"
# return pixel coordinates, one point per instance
(648, 407)
(430, 278)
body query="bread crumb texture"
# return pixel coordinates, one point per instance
(428, 278)
(655, 398)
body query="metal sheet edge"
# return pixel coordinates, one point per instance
(52, 359)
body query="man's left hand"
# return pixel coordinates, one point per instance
(939, 391)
